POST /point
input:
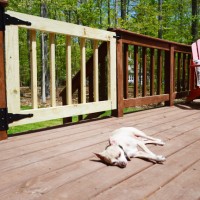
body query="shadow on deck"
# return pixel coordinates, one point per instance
(59, 163)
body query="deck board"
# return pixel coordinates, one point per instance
(59, 163)
(188, 181)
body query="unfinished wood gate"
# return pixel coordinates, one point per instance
(53, 27)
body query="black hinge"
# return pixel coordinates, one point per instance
(6, 20)
(7, 118)
(9, 20)
(117, 37)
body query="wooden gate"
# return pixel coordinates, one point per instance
(52, 28)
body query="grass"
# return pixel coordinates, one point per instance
(50, 123)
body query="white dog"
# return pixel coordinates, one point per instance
(124, 144)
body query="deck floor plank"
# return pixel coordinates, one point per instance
(59, 163)
(176, 189)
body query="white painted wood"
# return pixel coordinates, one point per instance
(43, 114)
(34, 70)
(52, 70)
(96, 69)
(68, 71)
(83, 71)
(49, 25)
(12, 69)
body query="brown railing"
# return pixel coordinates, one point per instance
(160, 70)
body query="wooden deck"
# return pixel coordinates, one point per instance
(59, 163)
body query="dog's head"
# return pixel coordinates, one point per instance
(113, 155)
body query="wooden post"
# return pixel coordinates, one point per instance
(120, 92)
(169, 76)
(3, 100)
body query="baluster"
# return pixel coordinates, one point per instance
(68, 71)
(34, 87)
(83, 71)
(96, 74)
(52, 70)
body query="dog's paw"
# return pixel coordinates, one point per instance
(162, 143)
(160, 158)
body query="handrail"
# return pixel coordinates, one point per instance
(148, 41)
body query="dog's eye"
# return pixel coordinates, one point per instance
(114, 163)
(118, 155)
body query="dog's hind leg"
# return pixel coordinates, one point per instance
(141, 134)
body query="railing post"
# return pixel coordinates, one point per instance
(120, 87)
(3, 100)
(169, 75)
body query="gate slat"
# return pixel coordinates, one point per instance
(83, 71)
(68, 71)
(52, 70)
(96, 74)
(12, 69)
(34, 70)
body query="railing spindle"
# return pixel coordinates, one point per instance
(135, 71)
(144, 74)
(125, 74)
(34, 70)
(159, 72)
(68, 71)
(83, 71)
(179, 73)
(152, 66)
(52, 70)
(96, 74)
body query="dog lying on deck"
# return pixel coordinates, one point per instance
(123, 145)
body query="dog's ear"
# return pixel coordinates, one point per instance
(100, 155)
(112, 141)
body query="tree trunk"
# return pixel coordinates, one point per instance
(123, 9)
(194, 20)
(44, 51)
(109, 13)
(160, 30)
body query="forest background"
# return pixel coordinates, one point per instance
(174, 20)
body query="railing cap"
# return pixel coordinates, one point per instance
(123, 32)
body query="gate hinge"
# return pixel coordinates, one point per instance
(117, 37)
(6, 19)
(7, 118)
(9, 20)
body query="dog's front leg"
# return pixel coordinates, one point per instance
(152, 157)
(154, 142)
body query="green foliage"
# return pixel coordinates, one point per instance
(173, 18)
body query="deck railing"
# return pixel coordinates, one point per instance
(160, 69)
(52, 28)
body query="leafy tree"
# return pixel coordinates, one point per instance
(175, 20)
